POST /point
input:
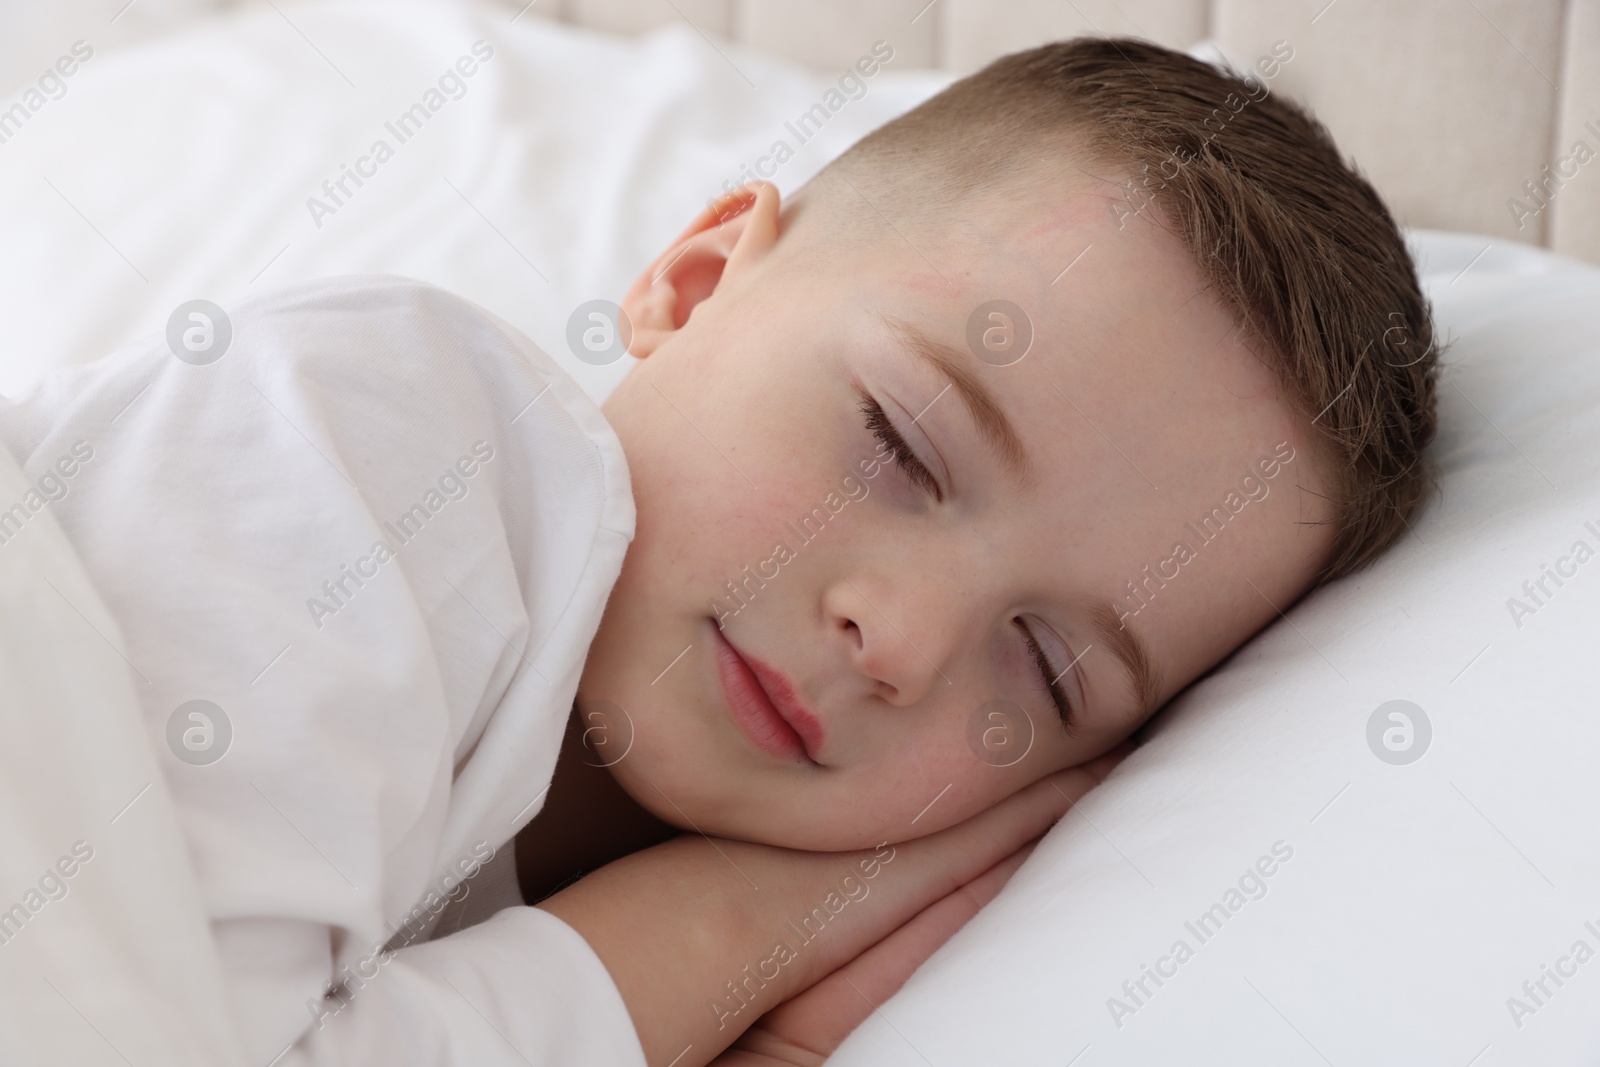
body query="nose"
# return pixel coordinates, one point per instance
(902, 636)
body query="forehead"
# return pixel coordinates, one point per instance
(1142, 411)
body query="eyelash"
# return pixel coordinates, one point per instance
(880, 426)
(1052, 686)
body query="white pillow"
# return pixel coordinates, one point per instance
(1407, 903)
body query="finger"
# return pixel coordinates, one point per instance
(1074, 782)
(987, 885)
(822, 1016)
(942, 862)
(1103, 764)
(883, 969)
(904, 879)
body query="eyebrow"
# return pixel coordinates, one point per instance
(993, 425)
(1131, 651)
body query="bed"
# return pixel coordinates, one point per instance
(1409, 752)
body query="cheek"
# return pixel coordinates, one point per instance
(721, 481)
(943, 784)
(696, 544)
(980, 771)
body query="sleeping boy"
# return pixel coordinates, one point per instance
(931, 486)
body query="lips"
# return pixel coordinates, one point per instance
(764, 706)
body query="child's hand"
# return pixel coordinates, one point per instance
(804, 1031)
(808, 1029)
(675, 924)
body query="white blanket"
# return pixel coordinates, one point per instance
(556, 172)
(373, 539)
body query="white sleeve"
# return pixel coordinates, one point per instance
(389, 716)
(521, 988)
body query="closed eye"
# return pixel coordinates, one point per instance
(904, 456)
(1048, 678)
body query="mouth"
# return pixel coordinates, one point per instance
(764, 706)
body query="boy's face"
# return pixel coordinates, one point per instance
(879, 606)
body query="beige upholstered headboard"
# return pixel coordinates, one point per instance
(1480, 115)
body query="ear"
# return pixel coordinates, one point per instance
(733, 232)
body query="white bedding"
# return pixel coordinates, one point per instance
(352, 566)
(1418, 898)
(182, 169)
(89, 843)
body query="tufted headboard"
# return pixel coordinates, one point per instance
(1477, 115)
